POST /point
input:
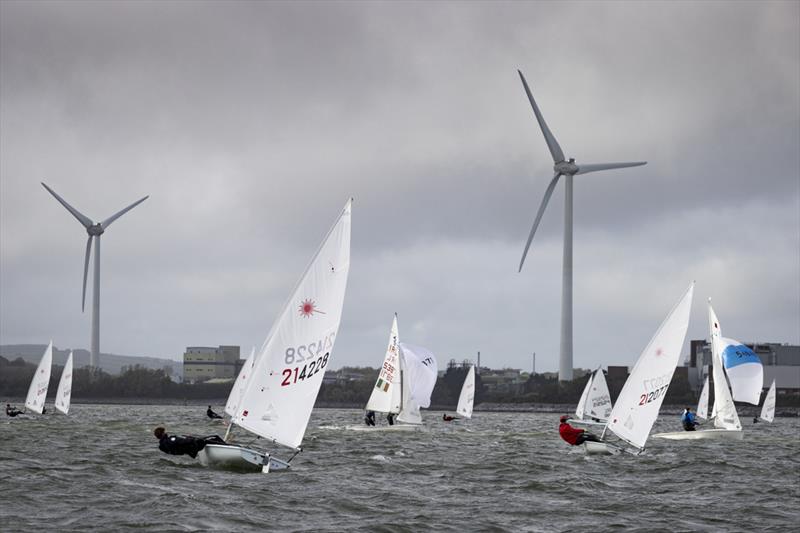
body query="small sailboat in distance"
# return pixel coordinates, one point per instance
(419, 372)
(37, 391)
(768, 409)
(638, 403)
(64, 391)
(594, 406)
(280, 392)
(467, 397)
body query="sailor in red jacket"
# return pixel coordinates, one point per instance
(573, 435)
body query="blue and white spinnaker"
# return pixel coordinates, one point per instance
(744, 369)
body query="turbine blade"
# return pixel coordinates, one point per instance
(594, 167)
(83, 219)
(552, 143)
(547, 194)
(86, 271)
(107, 222)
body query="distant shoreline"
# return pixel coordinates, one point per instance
(744, 411)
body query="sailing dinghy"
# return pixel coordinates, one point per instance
(726, 420)
(594, 407)
(638, 403)
(467, 397)
(387, 394)
(277, 396)
(37, 391)
(768, 409)
(419, 371)
(64, 391)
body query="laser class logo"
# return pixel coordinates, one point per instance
(308, 308)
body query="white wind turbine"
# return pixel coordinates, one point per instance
(568, 169)
(94, 231)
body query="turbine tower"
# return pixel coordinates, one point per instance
(94, 231)
(568, 169)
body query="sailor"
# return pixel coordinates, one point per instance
(755, 420)
(369, 419)
(574, 436)
(448, 418)
(12, 411)
(390, 418)
(183, 445)
(211, 414)
(688, 420)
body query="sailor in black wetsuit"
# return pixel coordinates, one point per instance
(369, 418)
(184, 445)
(390, 418)
(211, 414)
(12, 411)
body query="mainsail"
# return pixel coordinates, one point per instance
(420, 370)
(724, 411)
(240, 385)
(467, 396)
(288, 371)
(579, 410)
(638, 403)
(37, 392)
(64, 391)
(702, 403)
(744, 369)
(386, 394)
(598, 402)
(768, 410)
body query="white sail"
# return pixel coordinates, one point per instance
(638, 403)
(744, 370)
(702, 403)
(386, 394)
(64, 391)
(768, 410)
(420, 371)
(581, 408)
(467, 396)
(37, 392)
(240, 385)
(288, 371)
(724, 411)
(598, 402)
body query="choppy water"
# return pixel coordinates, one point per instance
(100, 469)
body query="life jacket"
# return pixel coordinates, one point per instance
(569, 433)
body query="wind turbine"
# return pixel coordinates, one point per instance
(568, 169)
(94, 231)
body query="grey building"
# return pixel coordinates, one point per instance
(781, 363)
(202, 363)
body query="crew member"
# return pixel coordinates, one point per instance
(755, 420)
(448, 418)
(211, 414)
(184, 445)
(390, 418)
(12, 411)
(689, 420)
(574, 436)
(369, 419)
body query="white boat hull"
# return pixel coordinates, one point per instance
(239, 458)
(720, 434)
(382, 429)
(600, 448)
(577, 422)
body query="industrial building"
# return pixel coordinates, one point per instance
(203, 363)
(781, 363)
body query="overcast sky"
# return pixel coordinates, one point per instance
(250, 124)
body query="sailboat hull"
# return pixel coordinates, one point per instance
(701, 434)
(600, 448)
(383, 429)
(239, 458)
(578, 422)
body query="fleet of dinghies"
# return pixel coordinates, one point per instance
(40, 383)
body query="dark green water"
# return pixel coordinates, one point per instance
(100, 469)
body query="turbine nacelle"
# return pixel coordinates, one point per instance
(568, 168)
(95, 230)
